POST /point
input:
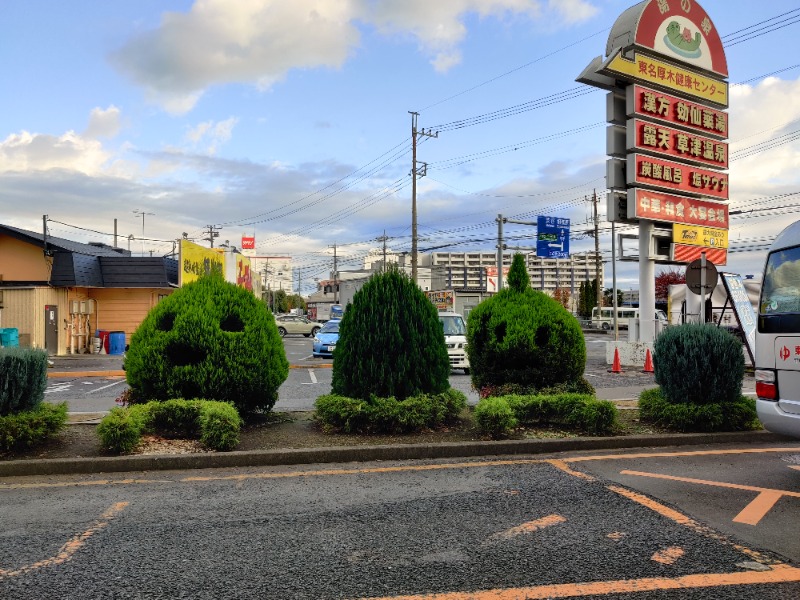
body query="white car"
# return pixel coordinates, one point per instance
(288, 324)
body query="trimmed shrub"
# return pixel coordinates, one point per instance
(576, 386)
(389, 415)
(209, 339)
(698, 364)
(30, 428)
(524, 337)
(23, 379)
(577, 411)
(495, 417)
(391, 343)
(737, 415)
(216, 424)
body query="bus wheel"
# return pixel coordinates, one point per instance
(606, 326)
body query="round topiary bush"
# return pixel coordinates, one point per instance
(698, 364)
(522, 336)
(210, 339)
(390, 343)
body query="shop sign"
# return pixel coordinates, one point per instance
(683, 253)
(652, 71)
(646, 102)
(693, 235)
(442, 300)
(646, 170)
(652, 137)
(248, 243)
(659, 206)
(197, 261)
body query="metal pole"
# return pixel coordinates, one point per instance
(703, 287)
(614, 280)
(499, 252)
(414, 196)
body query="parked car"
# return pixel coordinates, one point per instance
(296, 324)
(326, 338)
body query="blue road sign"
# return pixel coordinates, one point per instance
(553, 237)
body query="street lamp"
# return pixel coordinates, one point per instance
(141, 213)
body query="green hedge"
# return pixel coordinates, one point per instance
(389, 415)
(737, 415)
(30, 428)
(23, 379)
(578, 411)
(216, 424)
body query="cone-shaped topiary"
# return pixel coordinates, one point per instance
(699, 364)
(212, 340)
(390, 342)
(522, 336)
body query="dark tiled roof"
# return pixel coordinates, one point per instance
(57, 243)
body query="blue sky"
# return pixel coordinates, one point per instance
(290, 120)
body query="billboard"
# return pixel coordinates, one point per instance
(197, 261)
(708, 237)
(491, 278)
(679, 177)
(660, 206)
(643, 101)
(442, 300)
(644, 136)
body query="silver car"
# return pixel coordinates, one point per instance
(296, 324)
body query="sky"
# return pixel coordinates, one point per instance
(290, 121)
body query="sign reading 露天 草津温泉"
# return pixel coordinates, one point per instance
(666, 72)
(552, 239)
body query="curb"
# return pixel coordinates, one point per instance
(121, 373)
(341, 454)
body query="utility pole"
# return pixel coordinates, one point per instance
(44, 235)
(500, 248)
(597, 252)
(213, 232)
(416, 172)
(383, 239)
(115, 232)
(141, 213)
(335, 277)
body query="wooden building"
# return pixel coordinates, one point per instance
(58, 293)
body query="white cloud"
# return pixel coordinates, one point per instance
(260, 41)
(103, 123)
(21, 152)
(212, 133)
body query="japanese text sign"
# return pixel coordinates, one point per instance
(659, 206)
(651, 137)
(646, 170)
(553, 237)
(646, 102)
(693, 235)
(743, 308)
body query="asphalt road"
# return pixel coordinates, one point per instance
(527, 527)
(313, 379)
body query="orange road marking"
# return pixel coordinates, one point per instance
(683, 453)
(562, 464)
(67, 551)
(668, 556)
(616, 536)
(528, 527)
(778, 574)
(795, 467)
(688, 522)
(752, 513)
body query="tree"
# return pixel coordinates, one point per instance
(296, 301)
(608, 297)
(587, 298)
(562, 296)
(666, 279)
(518, 278)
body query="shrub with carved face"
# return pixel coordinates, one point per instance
(211, 340)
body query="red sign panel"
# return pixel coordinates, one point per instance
(248, 243)
(646, 170)
(646, 102)
(670, 142)
(658, 206)
(686, 254)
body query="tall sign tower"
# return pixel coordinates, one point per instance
(665, 71)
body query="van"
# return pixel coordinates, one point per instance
(455, 337)
(777, 336)
(604, 318)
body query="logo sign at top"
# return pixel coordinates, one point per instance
(553, 237)
(676, 29)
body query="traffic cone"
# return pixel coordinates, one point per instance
(648, 362)
(616, 368)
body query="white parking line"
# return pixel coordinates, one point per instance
(106, 386)
(313, 378)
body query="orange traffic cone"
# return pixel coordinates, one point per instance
(648, 362)
(616, 368)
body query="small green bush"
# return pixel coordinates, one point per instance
(698, 364)
(521, 336)
(575, 386)
(495, 417)
(737, 415)
(391, 343)
(577, 411)
(30, 428)
(216, 424)
(23, 379)
(389, 415)
(209, 339)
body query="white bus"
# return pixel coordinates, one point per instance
(777, 336)
(604, 318)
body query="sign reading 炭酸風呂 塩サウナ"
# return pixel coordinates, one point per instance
(644, 136)
(679, 177)
(660, 206)
(552, 239)
(646, 102)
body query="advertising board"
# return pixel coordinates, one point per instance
(708, 237)
(197, 261)
(660, 206)
(679, 177)
(647, 102)
(552, 237)
(673, 143)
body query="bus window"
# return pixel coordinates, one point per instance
(781, 288)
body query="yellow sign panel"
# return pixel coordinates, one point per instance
(695, 235)
(197, 262)
(651, 70)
